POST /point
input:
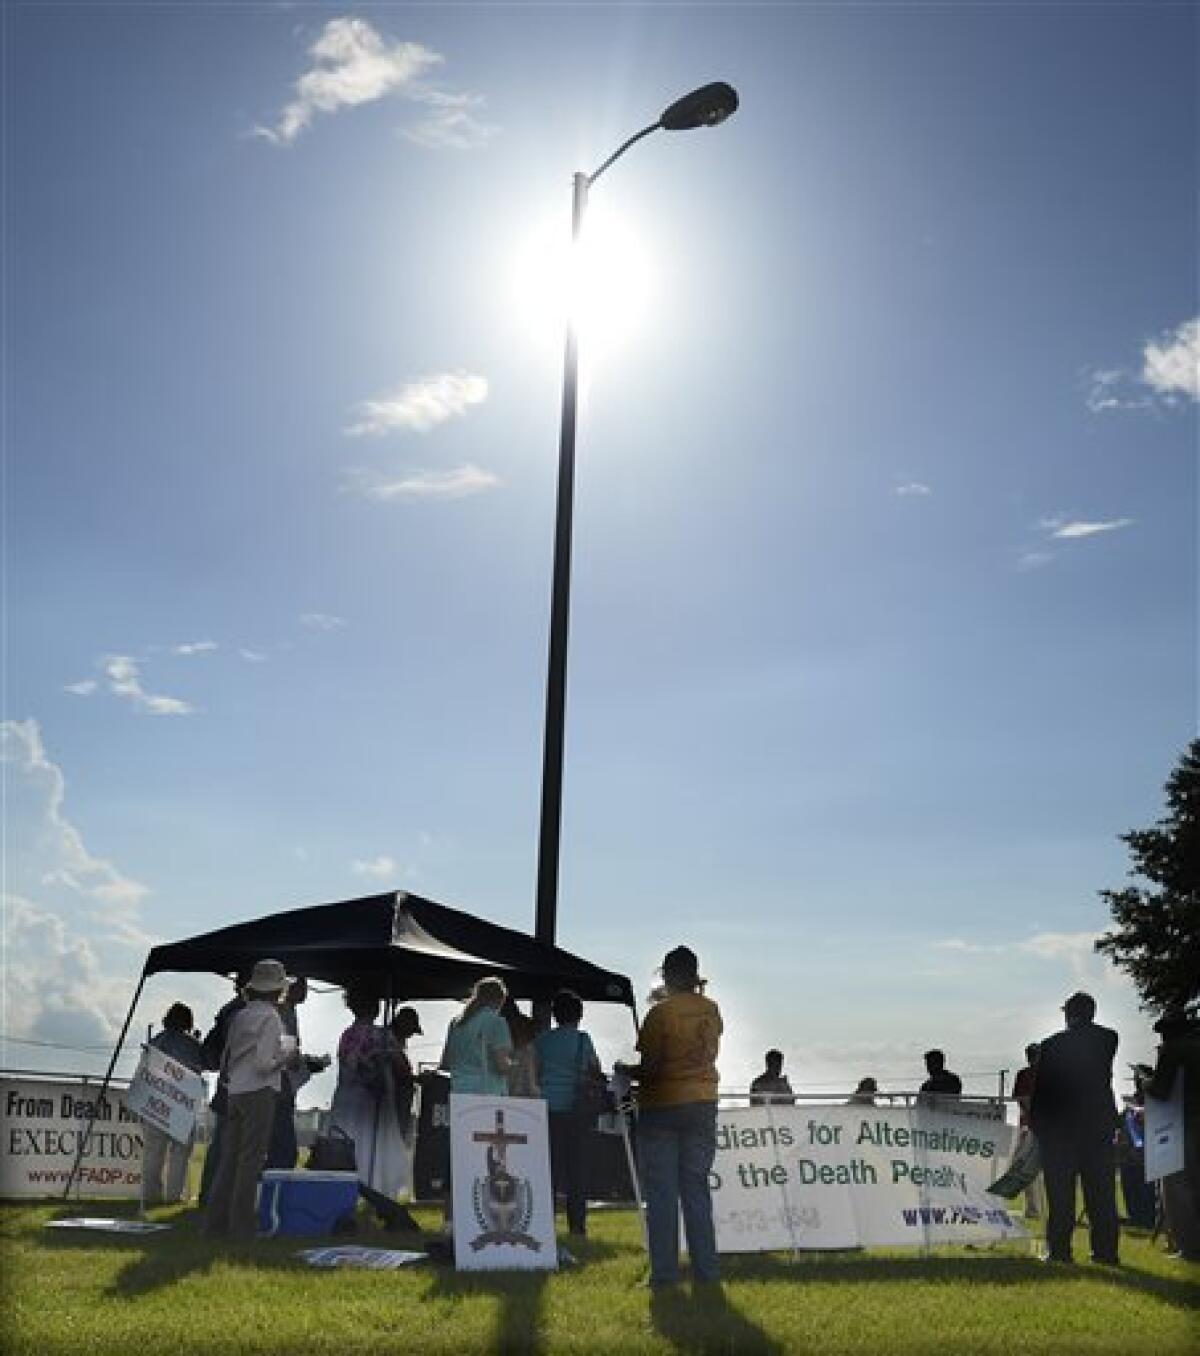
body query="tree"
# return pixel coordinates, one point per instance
(1156, 940)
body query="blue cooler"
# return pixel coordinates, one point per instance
(305, 1203)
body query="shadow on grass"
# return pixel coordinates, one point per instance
(998, 1271)
(164, 1259)
(518, 1326)
(705, 1321)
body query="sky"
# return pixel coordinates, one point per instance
(883, 623)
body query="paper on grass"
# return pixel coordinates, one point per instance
(350, 1255)
(108, 1226)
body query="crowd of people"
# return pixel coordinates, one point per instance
(1064, 1095)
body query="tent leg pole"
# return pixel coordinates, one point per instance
(112, 1064)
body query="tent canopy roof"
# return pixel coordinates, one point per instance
(401, 945)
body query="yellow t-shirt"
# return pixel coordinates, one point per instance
(679, 1039)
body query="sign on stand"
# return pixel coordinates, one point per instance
(500, 1183)
(166, 1094)
(797, 1177)
(42, 1123)
(1164, 1132)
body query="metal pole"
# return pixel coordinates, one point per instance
(85, 1138)
(560, 604)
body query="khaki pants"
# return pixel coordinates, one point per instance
(160, 1150)
(246, 1135)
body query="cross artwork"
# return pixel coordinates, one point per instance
(503, 1202)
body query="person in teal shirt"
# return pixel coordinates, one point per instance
(478, 1051)
(566, 1059)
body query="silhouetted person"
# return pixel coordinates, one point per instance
(864, 1094)
(771, 1085)
(1074, 1115)
(1179, 1056)
(1023, 1085)
(213, 1046)
(941, 1082)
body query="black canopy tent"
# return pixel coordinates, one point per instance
(399, 945)
(402, 945)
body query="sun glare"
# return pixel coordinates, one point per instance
(605, 282)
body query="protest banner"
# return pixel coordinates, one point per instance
(166, 1094)
(500, 1184)
(797, 1177)
(43, 1121)
(1164, 1132)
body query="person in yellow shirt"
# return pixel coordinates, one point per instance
(677, 1120)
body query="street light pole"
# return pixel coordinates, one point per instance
(704, 107)
(560, 610)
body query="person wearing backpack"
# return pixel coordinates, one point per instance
(568, 1070)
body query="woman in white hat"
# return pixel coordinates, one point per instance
(255, 1053)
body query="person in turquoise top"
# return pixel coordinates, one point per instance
(478, 1051)
(566, 1059)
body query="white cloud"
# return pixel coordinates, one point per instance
(253, 656)
(1169, 376)
(322, 621)
(1032, 559)
(377, 868)
(124, 680)
(84, 688)
(195, 647)
(352, 64)
(422, 404)
(418, 485)
(70, 917)
(913, 489)
(450, 124)
(1064, 529)
(1171, 365)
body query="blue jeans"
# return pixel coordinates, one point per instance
(676, 1147)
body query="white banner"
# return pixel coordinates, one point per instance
(500, 1178)
(1164, 1132)
(42, 1123)
(797, 1177)
(166, 1094)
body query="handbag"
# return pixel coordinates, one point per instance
(333, 1152)
(592, 1097)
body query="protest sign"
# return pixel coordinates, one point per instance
(166, 1094)
(42, 1124)
(500, 1183)
(1164, 1132)
(796, 1177)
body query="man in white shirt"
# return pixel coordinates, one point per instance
(255, 1053)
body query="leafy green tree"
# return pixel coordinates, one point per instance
(1156, 940)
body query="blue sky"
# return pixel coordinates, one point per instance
(884, 614)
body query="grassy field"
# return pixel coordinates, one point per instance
(92, 1294)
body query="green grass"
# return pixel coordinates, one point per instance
(176, 1293)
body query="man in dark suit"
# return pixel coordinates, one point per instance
(1074, 1115)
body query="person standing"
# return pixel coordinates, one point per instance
(1073, 1113)
(159, 1150)
(566, 1061)
(941, 1082)
(478, 1053)
(213, 1046)
(406, 1023)
(284, 1149)
(364, 1101)
(1023, 1085)
(522, 1075)
(1179, 1057)
(255, 1055)
(677, 1120)
(771, 1085)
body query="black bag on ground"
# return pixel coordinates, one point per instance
(333, 1152)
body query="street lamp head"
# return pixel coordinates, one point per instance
(703, 107)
